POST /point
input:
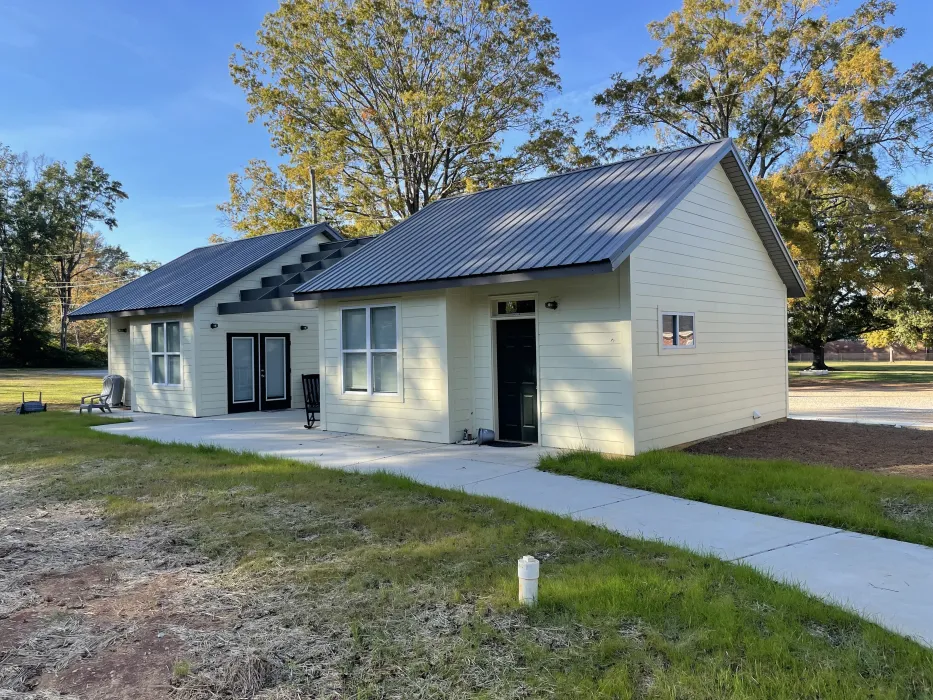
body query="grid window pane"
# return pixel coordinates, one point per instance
(158, 369)
(174, 369)
(685, 331)
(158, 337)
(667, 329)
(382, 321)
(172, 337)
(354, 329)
(354, 371)
(385, 372)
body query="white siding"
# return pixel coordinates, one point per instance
(212, 342)
(706, 258)
(460, 362)
(584, 361)
(119, 357)
(172, 400)
(420, 411)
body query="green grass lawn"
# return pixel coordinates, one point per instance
(60, 391)
(884, 505)
(384, 563)
(885, 372)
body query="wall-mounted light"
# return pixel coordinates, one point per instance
(302, 328)
(213, 325)
(552, 305)
(122, 330)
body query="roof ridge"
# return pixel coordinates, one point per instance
(251, 238)
(667, 151)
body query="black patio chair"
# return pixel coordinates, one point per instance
(311, 385)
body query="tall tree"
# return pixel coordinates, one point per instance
(75, 202)
(393, 104)
(24, 237)
(779, 77)
(821, 117)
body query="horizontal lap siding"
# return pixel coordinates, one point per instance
(119, 356)
(420, 413)
(706, 258)
(171, 400)
(459, 362)
(212, 342)
(584, 361)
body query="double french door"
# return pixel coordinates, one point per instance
(258, 372)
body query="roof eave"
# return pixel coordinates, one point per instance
(324, 228)
(594, 268)
(151, 311)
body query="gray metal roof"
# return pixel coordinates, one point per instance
(198, 274)
(579, 222)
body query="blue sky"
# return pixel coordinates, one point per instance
(144, 88)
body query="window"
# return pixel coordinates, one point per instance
(369, 344)
(166, 353)
(518, 306)
(677, 331)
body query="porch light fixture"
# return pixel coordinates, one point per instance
(122, 330)
(302, 328)
(213, 325)
(552, 305)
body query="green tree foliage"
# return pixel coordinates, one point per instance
(821, 117)
(74, 202)
(52, 254)
(393, 103)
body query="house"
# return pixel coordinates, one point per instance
(217, 330)
(620, 308)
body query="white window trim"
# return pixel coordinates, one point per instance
(369, 352)
(165, 353)
(675, 348)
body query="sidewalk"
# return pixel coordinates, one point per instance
(884, 580)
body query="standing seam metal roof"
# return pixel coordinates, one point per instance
(584, 217)
(199, 273)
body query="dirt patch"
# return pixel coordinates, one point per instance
(874, 448)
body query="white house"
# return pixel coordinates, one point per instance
(217, 330)
(620, 308)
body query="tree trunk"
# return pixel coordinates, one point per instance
(65, 302)
(819, 357)
(891, 354)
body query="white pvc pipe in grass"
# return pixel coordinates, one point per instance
(528, 568)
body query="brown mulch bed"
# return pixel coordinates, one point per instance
(874, 448)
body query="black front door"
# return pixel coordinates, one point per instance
(258, 372)
(516, 368)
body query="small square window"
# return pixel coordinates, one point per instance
(677, 331)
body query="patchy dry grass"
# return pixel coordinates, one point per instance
(204, 574)
(60, 391)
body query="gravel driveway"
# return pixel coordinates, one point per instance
(881, 404)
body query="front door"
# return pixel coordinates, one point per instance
(517, 380)
(258, 372)
(274, 371)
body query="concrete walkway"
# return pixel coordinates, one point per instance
(884, 580)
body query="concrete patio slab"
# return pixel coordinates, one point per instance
(884, 580)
